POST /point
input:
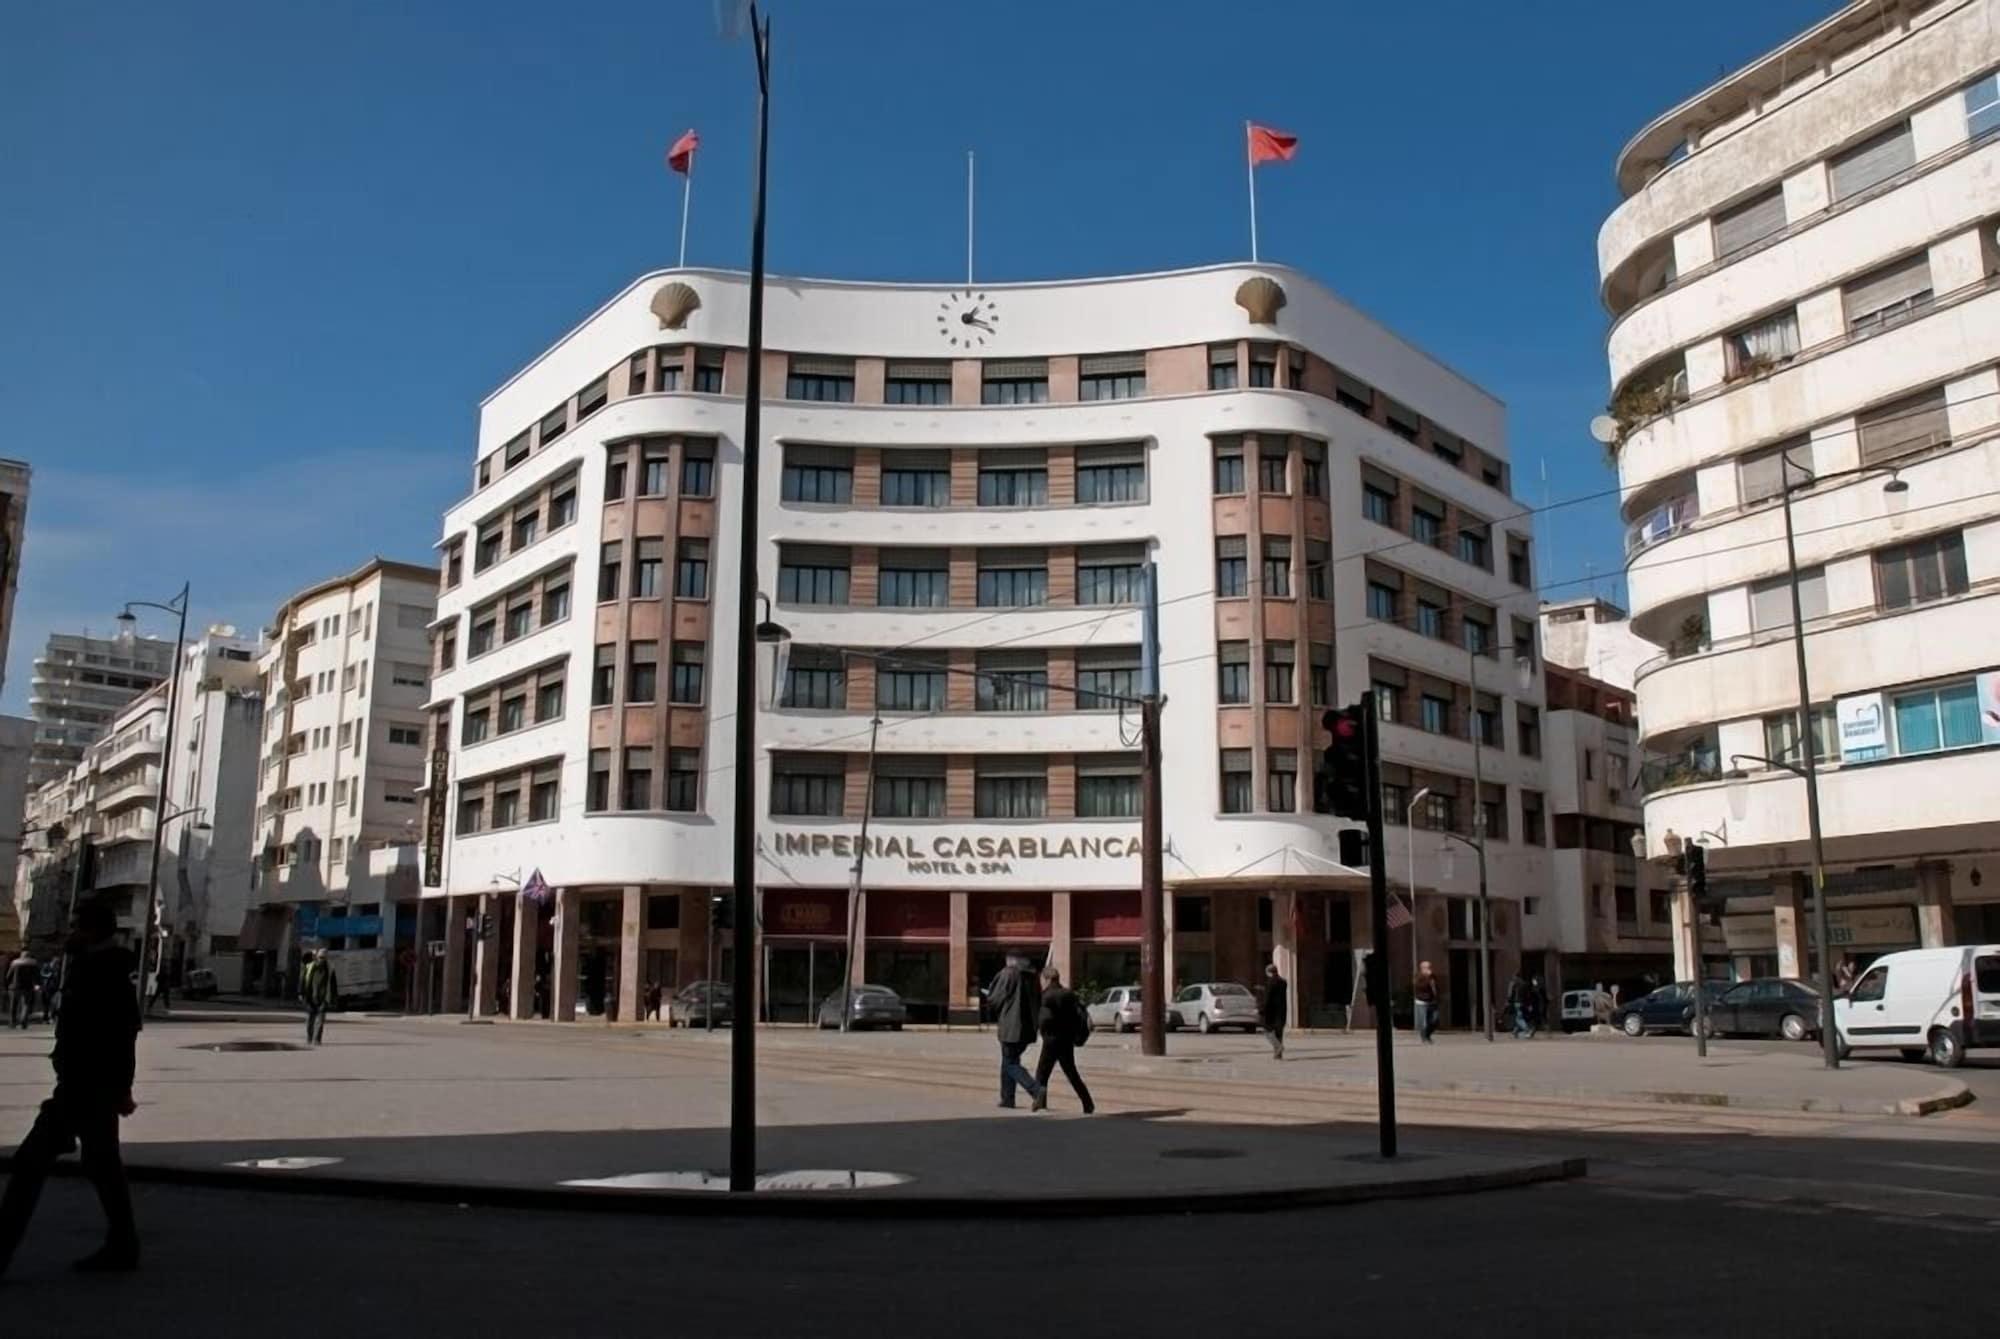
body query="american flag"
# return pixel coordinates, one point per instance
(1399, 915)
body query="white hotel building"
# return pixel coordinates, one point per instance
(1805, 264)
(966, 483)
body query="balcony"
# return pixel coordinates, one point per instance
(1670, 518)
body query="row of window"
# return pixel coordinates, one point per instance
(1439, 707)
(1274, 466)
(647, 556)
(1006, 476)
(1106, 574)
(1469, 538)
(548, 508)
(505, 800)
(537, 603)
(534, 698)
(648, 463)
(1106, 677)
(815, 785)
(687, 674)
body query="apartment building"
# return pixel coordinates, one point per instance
(80, 683)
(1804, 278)
(960, 489)
(344, 673)
(17, 735)
(14, 480)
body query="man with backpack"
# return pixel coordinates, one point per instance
(1065, 1025)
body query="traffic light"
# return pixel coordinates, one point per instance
(1697, 872)
(722, 911)
(1375, 978)
(488, 927)
(1340, 785)
(1353, 848)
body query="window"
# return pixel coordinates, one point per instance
(1013, 479)
(1228, 465)
(1760, 475)
(913, 681)
(1263, 366)
(507, 807)
(1449, 451)
(918, 383)
(1872, 161)
(636, 371)
(555, 603)
(604, 676)
(1111, 574)
(1118, 376)
(914, 579)
(636, 790)
(454, 565)
(1439, 812)
(653, 463)
(1222, 367)
(1404, 422)
(1388, 700)
(1281, 781)
(1427, 523)
(1430, 619)
(1010, 788)
(1107, 786)
(486, 551)
(812, 574)
(1013, 578)
(1232, 661)
(642, 672)
(1888, 296)
(815, 679)
(1534, 829)
(909, 788)
(1024, 382)
(1312, 469)
(829, 379)
(527, 526)
(545, 795)
(520, 620)
(1435, 714)
(1474, 546)
(1278, 566)
(1378, 505)
(609, 568)
(554, 423)
(691, 569)
(708, 368)
(685, 679)
(916, 478)
(513, 713)
(597, 791)
(1771, 600)
(1920, 571)
(1321, 674)
(614, 475)
(1106, 676)
(1477, 635)
(1232, 566)
(1982, 106)
(1012, 681)
(1273, 461)
(515, 451)
(1280, 664)
(698, 466)
(410, 736)
(823, 475)
(808, 784)
(1930, 719)
(1781, 736)
(1319, 564)
(478, 724)
(1493, 818)
(549, 701)
(481, 640)
(1236, 786)
(1749, 222)
(1353, 395)
(1486, 724)
(683, 780)
(1111, 473)
(1528, 729)
(471, 810)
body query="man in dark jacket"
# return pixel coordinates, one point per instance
(96, 1032)
(1064, 1025)
(1017, 1006)
(24, 977)
(320, 990)
(1276, 1009)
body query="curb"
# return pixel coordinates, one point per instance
(1945, 1099)
(874, 1205)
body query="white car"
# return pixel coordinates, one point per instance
(1118, 1010)
(1213, 1005)
(1584, 1009)
(1938, 1002)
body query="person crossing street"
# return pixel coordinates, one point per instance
(1276, 1002)
(320, 990)
(1016, 1003)
(1065, 1025)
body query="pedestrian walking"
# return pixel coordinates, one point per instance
(1064, 1025)
(1538, 1005)
(320, 990)
(1276, 1000)
(93, 1059)
(24, 977)
(1017, 1005)
(49, 992)
(1844, 974)
(1517, 1004)
(1425, 994)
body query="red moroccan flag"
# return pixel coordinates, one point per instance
(681, 157)
(1267, 144)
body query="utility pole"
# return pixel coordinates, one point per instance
(854, 889)
(1152, 920)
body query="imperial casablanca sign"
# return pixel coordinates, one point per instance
(1074, 855)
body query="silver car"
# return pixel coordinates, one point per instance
(1118, 1010)
(868, 1006)
(1212, 1005)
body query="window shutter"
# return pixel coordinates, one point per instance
(1905, 426)
(1112, 453)
(807, 366)
(1017, 370)
(1872, 161)
(1761, 474)
(1389, 674)
(820, 457)
(1898, 282)
(919, 371)
(1232, 546)
(1749, 222)
(905, 459)
(1111, 364)
(1013, 457)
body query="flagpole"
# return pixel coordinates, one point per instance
(687, 189)
(1250, 169)
(968, 218)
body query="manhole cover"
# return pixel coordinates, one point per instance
(289, 1164)
(801, 1179)
(235, 1046)
(1203, 1154)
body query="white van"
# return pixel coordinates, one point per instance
(1928, 1001)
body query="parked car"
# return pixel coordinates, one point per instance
(200, 984)
(1939, 1002)
(1212, 1005)
(1668, 1009)
(1584, 1009)
(1118, 1010)
(1766, 1006)
(700, 1002)
(869, 1006)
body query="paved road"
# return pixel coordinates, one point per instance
(1572, 1260)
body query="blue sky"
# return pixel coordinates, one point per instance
(260, 262)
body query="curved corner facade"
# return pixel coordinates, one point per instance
(1810, 291)
(958, 491)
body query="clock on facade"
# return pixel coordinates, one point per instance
(967, 320)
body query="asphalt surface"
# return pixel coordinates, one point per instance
(1573, 1259)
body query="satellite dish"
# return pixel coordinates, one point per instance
(1604, 428)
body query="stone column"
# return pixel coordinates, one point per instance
(1787, 900)
(857, 966)
(527, 919)
(1686, 966)
(486, 959)
(454, 954)
(631, 932)
(1361, 922)
(1060, 955)
(959, 959)
(1285, 952)
(1934, 909)
(569, 928)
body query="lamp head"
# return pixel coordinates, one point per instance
(1672, 843)
(769, 633)
(128, 622)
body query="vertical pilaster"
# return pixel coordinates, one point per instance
(486, 959)
(631, 930)
(454, 954)
(1787, 899)
(1934, 910)
(1060, 955)
(527, 920)
(563, 973)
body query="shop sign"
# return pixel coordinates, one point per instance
(1000, 916)
(1864, 727)
(955, 854)
(804, 914)
(434, 815)
(1854, 927)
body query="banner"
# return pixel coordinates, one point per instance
(1864, 728)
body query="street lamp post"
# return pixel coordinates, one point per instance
(1524, 670)
(1410, 833)
(178, 606)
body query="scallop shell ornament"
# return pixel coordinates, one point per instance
(674, 303)
(1262, 298)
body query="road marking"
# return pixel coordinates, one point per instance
(1937, 1167)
